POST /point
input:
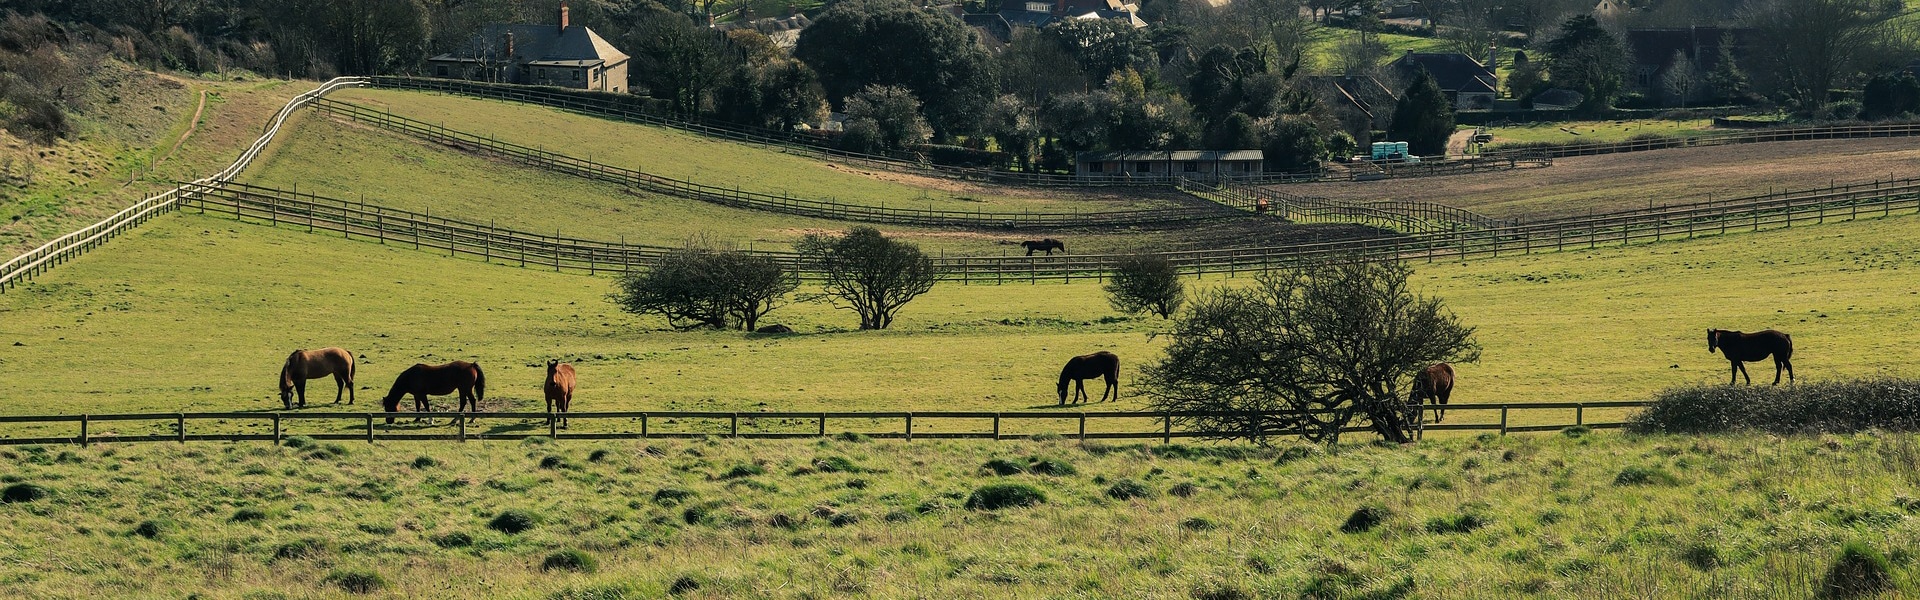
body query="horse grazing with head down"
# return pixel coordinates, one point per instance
(1048, 244)
(1081, 368)
(422, 380)
(559, 388)
(1742, 347)
(1435, 382)
(314, 364)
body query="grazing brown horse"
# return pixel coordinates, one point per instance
(1742, 347)
(1048, 244)
(559, 387)
(314, 364)
(1081, 368)
(1435, 382)
(422, 380)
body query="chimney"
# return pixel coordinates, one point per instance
(1060, 8)
(1493, 56)
(563, 16)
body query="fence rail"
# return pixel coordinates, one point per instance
(474, 240)
(66, 247)
(371, 426)
(738, 198)
(622, 108)
(1827, 132)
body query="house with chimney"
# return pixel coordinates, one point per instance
(564, 55)
(1036, 14)
(1468, 83)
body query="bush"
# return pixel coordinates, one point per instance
(455, 539)
(149, 529)
(1702, 556)
(1145, 283)
(570, 560)
(425, 462)
(1826, 407)
(553, 462)
(1366, 518)
(512, 521)
(1639, 475)
(1461, 523)
(298, 549)
(835, 464)
(1185, 489)
(598, 455)
(357, 581)
(298, 442)
(683, 584)
(707, 287)
(22, 492)
(1003, 467)
(1048, 466)
(1005, 495)
(1860, 570)
(739, 471)
(1128, 489)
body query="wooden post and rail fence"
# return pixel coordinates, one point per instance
(371, 427)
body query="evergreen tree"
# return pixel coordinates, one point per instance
(1423, 118)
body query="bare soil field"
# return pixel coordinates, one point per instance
(1589, 184)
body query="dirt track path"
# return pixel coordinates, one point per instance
(192, 126)
(1587, 184)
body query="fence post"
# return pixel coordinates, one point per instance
(909, 427)
(1166, 428)
(823, 424)
(733, 425)
(276, 430)
(369, 428)
(83, 431)
(1579, 413)
(1083, 428)
(643, 426)
(553, 426)
(1503, 419)
(180, 423)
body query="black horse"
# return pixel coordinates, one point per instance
(1742, 347)
(422, 380)
(1081, 368)
(1049, 245)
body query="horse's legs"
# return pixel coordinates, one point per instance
(1079, 391)
(339, 387)
(420, 405)
(1742, 367)
(1781, 363)
(300, 386)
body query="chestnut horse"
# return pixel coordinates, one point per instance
(422, 380)
(559, 387)
(1742, 347)
(1048, 244)
(1081, 368)
(314, 364)
(1435, 382)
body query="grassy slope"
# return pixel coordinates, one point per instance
(1609, 324)
(715, 162)
(1760, 516)
(134, 118)
(1593, 132)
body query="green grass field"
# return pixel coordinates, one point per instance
(1594, 132)
(1544, 515)
(716, 162)
(1609, 324)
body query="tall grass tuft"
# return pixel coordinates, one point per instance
(357, 581)
(1859, 571)
(1827, 407)
(1005, 495)
(512, 521)
(1365, 518)
(570, 560)
(22, 492)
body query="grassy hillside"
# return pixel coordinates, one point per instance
(1546, 516)
(342, 160)
(125, 148)
(1594, 132)
(711, 161)
(195, 313)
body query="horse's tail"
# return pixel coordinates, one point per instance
(479, 386)
(353, 367)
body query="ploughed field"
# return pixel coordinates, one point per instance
(1541, 515)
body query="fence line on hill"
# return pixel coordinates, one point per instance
(66, 247)
(620, 107)
(738, 198)
(483, 241)
(1823, 132)
(369, 425)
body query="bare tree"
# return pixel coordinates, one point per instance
(1682, 81)
(868, 273)
(1813, 45)
(1322, 344)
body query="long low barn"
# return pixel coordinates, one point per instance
(1167, 164)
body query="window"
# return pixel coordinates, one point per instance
(1143, 167)
(440, 70)
(1190, 167)
(576, 75)
(1095, 167)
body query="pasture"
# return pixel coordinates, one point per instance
(1544, 515)
(1594, 132)
(194, 313)
(1582, 185)
(716, 162)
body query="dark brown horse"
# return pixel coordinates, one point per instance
(1742, 347)
(1049, 245)
(559, 387)
(1434, 382)
(314, 364)
(422, 380)
(1081, 368)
